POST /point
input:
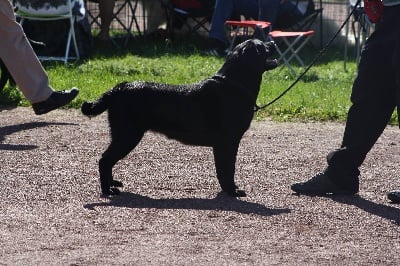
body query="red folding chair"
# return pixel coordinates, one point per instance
(288, 43)
(290, 46)
(242, 28)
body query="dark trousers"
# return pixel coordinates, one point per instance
(375, 95)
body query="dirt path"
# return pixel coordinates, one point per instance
(171, 212)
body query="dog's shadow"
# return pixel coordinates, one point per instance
(381, 210)
(8, 130)
(221, 202)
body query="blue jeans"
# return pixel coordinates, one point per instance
(264, 10)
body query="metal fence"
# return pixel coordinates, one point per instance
(333, 15)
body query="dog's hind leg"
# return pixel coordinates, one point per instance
(225, 160)
(120, 146)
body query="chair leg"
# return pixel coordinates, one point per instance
(95, 19)
(285, 61)
(71, 38)
(235, 34)
(133, 20)
(67, 48)
(199, 25)
(72, 27)
(292, 49)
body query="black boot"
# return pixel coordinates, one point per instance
(322, 184)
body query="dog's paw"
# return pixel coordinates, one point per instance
(110, 192)
(236, 193)
(116, 183)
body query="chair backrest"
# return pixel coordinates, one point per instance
(194, 4)
(60, 34)
(307, 22)
(44, 8)
(187, 4)
(203, 6)
(302, 22)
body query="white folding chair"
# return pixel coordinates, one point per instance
(50, 11)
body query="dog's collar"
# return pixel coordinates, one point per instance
(235, 83)
(222, 78)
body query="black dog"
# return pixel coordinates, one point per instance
(215, 112)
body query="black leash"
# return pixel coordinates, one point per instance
(316, 58)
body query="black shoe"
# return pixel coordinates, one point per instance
(321, 184)
(56, 100)
(394, 196)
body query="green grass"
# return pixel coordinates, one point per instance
(322, 95)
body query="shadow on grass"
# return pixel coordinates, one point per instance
(151, 48)
(221, 202)
(8, 130)
(186, 45)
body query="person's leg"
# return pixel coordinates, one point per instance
(248, 8)
(20, 59)
(268, 10)
(286, 15)
(373, 98)
(24, 66)
(106, 9)
(223, 11)
(373, 102)
(394, 196)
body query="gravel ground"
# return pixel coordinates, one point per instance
(171, 211)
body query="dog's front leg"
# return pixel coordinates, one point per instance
(108, 185)
(225, 160)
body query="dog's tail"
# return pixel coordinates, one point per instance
(103, 103)
(97, 107)
(93, 108)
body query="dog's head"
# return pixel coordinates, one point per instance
(253, 55)
(246, 63)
